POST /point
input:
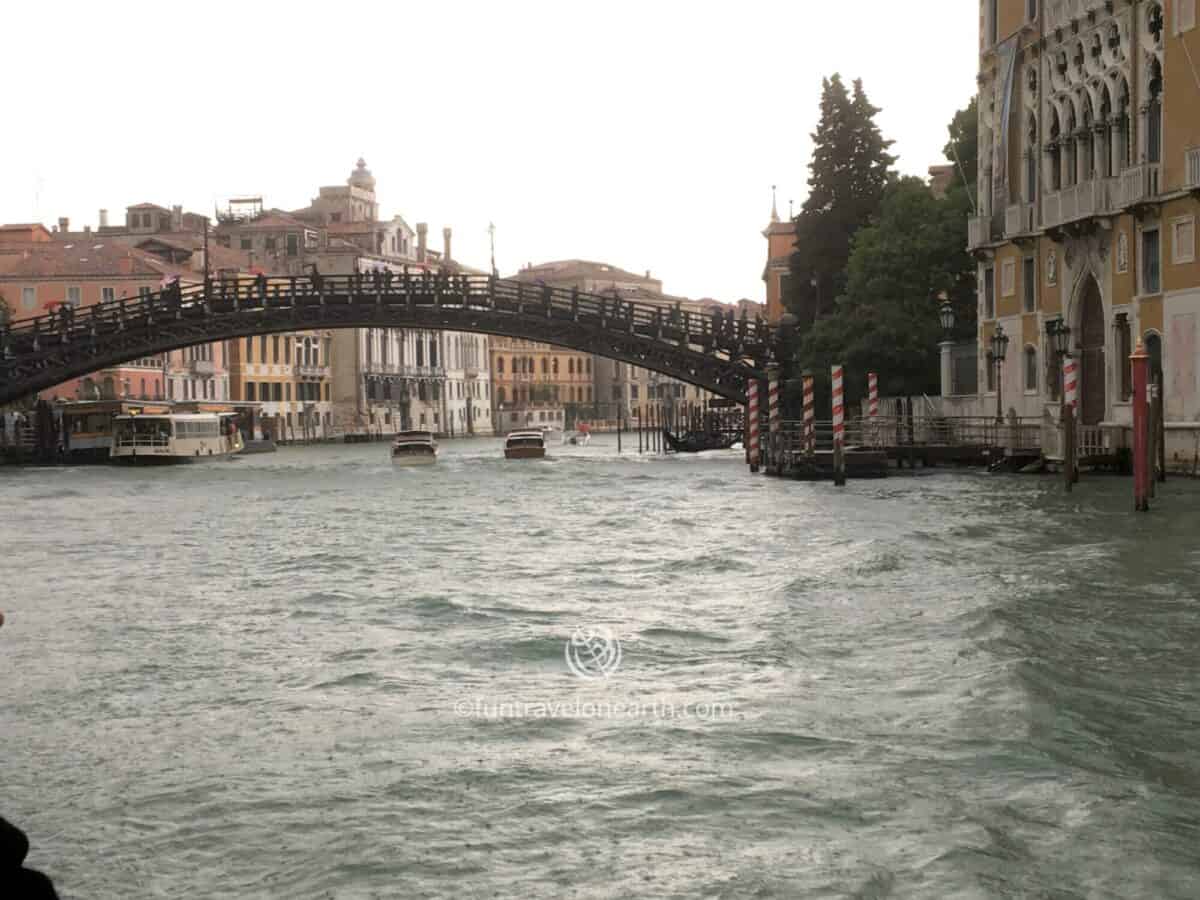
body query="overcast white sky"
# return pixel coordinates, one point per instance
(645, 134)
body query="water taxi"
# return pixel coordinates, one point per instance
(414, 448)
(174, 437)
(525, 445)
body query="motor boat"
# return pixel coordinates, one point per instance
(580, 437)
(414, 448)
(525, 445)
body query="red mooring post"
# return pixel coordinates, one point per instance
(752, 419)
(839, 433)
(810, 431)
(774, 458)
(1140, 360)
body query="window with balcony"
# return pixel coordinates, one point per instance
(1154, 123)
(1151, 263)
(107, 294)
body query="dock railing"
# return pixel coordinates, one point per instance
(887, 432)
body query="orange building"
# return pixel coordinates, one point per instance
(38, 276)
(781, 241)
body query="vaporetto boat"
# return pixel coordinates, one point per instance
(174, 437)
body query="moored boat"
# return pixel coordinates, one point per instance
(696, 442)
(174, 437)
(414, 448)
(525, 445)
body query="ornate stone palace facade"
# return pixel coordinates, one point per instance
(1089, 162)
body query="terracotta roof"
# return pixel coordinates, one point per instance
(567, 268)
(69, 259)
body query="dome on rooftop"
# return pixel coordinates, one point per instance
(361, 176)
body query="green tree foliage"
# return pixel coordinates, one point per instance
(887, 319)
(849, 172)
(963, 147)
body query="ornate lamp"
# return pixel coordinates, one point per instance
(946, 313)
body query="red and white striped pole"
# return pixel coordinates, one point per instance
(810, 432)
(872, 395)
(775, 461)
(1070, 395)
(752, 416)
(839, 426)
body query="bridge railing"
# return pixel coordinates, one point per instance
(254, 295)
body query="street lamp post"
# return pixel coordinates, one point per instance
(946, 314)
(1058, 335)
(997, 354)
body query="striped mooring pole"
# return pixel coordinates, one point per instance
(873, 396)
(775, 452)
(839, 428)
(752, 416)
(1070, 393)
(810, 431)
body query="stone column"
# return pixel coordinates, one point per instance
(947, 367)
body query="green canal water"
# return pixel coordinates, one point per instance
(308, 675)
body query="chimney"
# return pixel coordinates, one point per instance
(647, 274)
(104, 218)
(177, 218)
(64, 224)
(422, 233)
(446, 245)
(87, 229)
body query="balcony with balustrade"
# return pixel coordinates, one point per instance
(1018, 219)
(204, 367)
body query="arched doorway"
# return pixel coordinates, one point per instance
(1091, 355)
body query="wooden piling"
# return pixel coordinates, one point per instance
(620, 419)
(839, 428)
(1140, 362)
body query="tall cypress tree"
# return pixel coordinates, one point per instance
(849, 171)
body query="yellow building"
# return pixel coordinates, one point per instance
(288, 376)
(1089, 162)
(539, 384)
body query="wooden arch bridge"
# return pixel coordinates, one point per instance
(718, 354)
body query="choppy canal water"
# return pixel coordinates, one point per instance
(308, 675)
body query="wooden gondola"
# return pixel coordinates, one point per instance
(695, 442)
